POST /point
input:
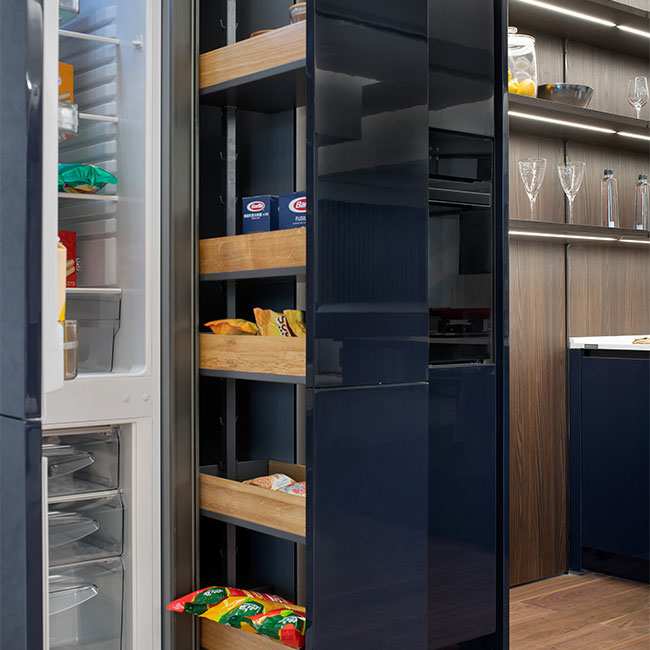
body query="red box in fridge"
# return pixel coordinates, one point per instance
(69, 240)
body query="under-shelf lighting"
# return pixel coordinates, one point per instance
(550, 120)
(636, 241)
(632, 30)
(524, 233)
(569, 12)
(634, 135)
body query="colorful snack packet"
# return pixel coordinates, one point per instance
(200, 601)
(299, 489)
(296, 322)
(271, 323)
(272, 482)
(233, 326)
(83, 179)
(283, 625)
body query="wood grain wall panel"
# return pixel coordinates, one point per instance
(608, 73)
(627, 166)
(550, 201)
(538, 433)
(608, 290)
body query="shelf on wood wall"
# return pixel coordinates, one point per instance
(585, 117)
(277, 253)
(523, 14)
(265, 73)
(577, 233)
(258, 358)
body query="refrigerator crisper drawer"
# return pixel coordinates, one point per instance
(86, 605)
(85, 529)
(81, 463)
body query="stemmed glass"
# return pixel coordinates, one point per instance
(638, 94)
(571, 175)
(532, 172)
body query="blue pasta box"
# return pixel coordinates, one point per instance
(259, 214)
(292, 210)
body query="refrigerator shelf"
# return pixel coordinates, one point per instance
(265, 73)
(262, 358)
(88, 197)
(274, 513)
(64, 33)
(215, 636)
(98, 118)
(279, 253)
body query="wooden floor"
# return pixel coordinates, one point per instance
(588, 612)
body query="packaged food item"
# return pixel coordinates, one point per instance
(286, 626)
(260, 32)
(296, 322)
(61, 260)
(271, 323)
(68, 121)
(233, 326)
(292, 210)
(272, 482)
(66, 83)
(83, 179)
(259, 214)
(69, 239)
(642, 341)
(298, 12)
(68, 9)
(299, 489)
(203, 599)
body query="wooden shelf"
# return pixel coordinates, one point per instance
(584, 116)
(260, 255)
(215, 636)
(267, 511)
(525, 15)
(576, 233)
(257, 358)
(265, 73)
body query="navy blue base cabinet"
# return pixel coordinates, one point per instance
(610, 462)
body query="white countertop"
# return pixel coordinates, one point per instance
(609, 343)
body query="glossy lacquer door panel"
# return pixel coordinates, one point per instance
(462, 504)
(366, 518)
(367, 187)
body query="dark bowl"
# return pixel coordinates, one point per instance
(573, 94)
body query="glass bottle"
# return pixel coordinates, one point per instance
(641, 203)
(609, 201)
(522, 64)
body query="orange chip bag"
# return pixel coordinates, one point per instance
(271, 323)
(296, 322)
(233, 326)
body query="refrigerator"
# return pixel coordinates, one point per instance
(80, 513)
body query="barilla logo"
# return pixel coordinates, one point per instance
(298, 205)
(255, 206)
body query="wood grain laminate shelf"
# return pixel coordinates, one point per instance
(256, 358)
(267, 511)
(265, 73)
(576, 233)
(609, 37)
(543, 108)
(215, 636)
(260, 255)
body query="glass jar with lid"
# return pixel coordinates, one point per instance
(522, 64)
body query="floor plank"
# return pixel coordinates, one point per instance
(541, 587)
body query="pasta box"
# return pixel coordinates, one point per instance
(259, 214)
(292, 210)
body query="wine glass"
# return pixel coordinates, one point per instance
(532, 172)
(638, 94)
(571, 175)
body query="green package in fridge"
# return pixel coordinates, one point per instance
(83, 179)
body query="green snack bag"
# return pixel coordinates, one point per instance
(83, 179)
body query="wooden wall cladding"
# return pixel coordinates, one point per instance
(608, 290)
(626, 165)
(538, 433)
(608, 73)
(550, 201)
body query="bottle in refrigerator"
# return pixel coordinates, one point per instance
(641, 203)
(609, 201)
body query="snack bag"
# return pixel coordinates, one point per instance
(233, 326)
(297, 488)
(296, 322)
(284, 625)
(271, 323)
(83, 179)
(200, 601)
(273, 482)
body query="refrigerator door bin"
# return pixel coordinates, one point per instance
(68, 9)
(79, 463)
(98, 313)
(85, 529)
(86, 605)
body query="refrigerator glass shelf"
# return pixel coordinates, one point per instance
(89, 197)
(64, 33)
